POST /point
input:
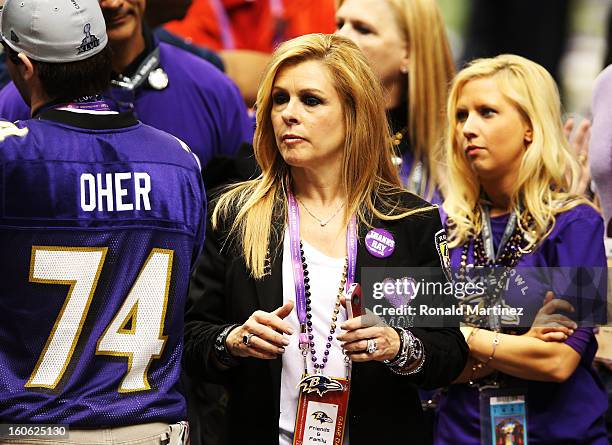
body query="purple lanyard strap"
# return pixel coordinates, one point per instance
(298, 268)
(97, 105)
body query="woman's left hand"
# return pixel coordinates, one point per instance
(369, 327)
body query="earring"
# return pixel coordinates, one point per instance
(404, 69)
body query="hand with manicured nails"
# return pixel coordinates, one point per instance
(267, 340)
(368, 327)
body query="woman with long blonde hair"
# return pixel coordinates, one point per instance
(266, 310)
(510, 212)
(405, 42)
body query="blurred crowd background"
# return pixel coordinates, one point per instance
(569, 37)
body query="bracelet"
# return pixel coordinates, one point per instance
(417, 353)
(420, 366)
(474, 330)
(495, 343)
(402, 353)
(220, 348)
(478, 365)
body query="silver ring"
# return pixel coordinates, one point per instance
(372, 346)
(246, 339)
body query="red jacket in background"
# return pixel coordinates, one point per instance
(257, 25)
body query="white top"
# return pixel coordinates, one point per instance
(325, 274)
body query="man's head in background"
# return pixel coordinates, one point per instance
(55, 50)
(123, 19)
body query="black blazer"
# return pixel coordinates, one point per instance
(384, 408)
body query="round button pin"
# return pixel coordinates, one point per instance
(380, 243)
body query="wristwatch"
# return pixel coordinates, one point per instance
(221, 352)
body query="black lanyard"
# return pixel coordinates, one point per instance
(150, 63)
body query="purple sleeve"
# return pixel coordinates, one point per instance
(580, 340)
(239, 126)
(12, 106)
(600, 150)
(579, 243)
(579, 274)
(223, 104)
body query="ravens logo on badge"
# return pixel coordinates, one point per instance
(321, 417)
(320, 384)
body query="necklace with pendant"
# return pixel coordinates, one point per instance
(322, 222)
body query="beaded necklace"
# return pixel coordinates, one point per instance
(332, 327)
(511, 253)
(301, 280)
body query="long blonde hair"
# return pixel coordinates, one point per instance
(430, 71)
(368, 175)
(548, 170)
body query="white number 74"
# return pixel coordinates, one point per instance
(136, 331)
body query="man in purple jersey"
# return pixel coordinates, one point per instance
(101, 220)
(166, 87)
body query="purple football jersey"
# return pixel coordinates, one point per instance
(101, 219)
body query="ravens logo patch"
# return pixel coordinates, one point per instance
(443, 252)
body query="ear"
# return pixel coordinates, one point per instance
(528, 138)
(405, 63)
(26, 68)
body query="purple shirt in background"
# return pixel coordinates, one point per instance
(201, 105)
(558, 413)
(600, 150)
(407, 161)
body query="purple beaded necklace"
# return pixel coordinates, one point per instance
(334, 319)
(302, 286)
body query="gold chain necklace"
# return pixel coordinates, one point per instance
(322, 222)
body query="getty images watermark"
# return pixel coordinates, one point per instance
(402, 291)
(425, 297)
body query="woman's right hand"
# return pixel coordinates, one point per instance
(549, 325)
(265, 334)
(579, 142)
